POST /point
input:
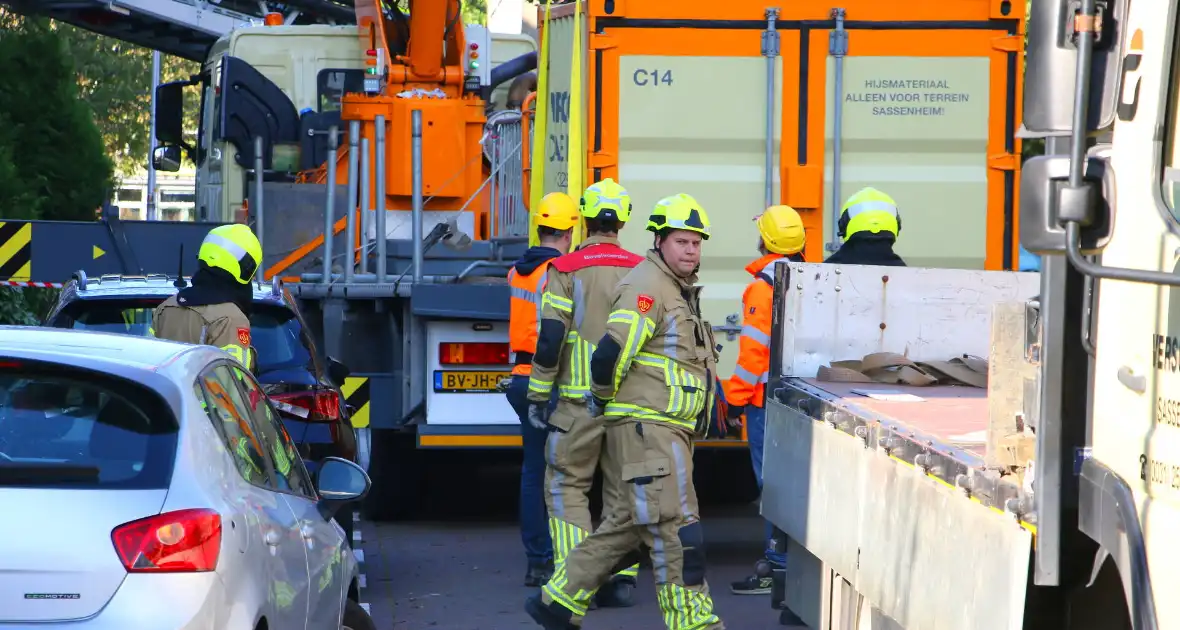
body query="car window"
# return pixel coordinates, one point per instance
(289, 472)
(69, 428)
(231, 416)
(276, 334)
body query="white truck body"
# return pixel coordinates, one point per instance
(871, 493)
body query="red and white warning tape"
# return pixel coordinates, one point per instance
(36, 285)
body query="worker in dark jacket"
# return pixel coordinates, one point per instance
(555, 221)
(215, 310)
(869, 225)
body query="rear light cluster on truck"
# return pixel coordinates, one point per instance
(184, 541)
(472, 353)
(318, 406)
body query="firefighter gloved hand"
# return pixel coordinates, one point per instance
(539, 415)
(595, 405)
(733, 416)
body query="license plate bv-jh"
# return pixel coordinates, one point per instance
(468, 382)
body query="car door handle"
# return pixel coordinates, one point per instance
(272, 538)
(307, 531)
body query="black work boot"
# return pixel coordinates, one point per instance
(619, 592)
(538, 574)
(549, 617)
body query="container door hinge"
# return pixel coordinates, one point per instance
(1005, 162)
(600, 41)
(838, 37)
(1010, 43)
(770, 38)
(731, 328)
(599, 159)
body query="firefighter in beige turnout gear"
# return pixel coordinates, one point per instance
(215, 310)
(652, 376)
(574, 311)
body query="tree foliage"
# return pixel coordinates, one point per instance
(55, 151)
(115, 81)
(52, 157)
(475, 11)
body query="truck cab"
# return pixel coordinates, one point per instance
(313, 66)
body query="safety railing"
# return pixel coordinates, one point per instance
(509, 215)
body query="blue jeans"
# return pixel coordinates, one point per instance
(756, 434)
(534, 518)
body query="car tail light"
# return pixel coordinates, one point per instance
(176, 542)
(474, 353)
(317, 406)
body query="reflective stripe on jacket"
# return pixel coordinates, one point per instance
(658, 358)
(524, 315)
(748, 383)
(574, 310)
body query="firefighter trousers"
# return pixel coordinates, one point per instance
(573, 452)
(651, 464)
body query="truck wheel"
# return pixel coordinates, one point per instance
(395, 468)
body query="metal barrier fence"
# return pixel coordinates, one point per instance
(509, 216)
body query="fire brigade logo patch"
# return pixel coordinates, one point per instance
(645, 302)
(244, 337)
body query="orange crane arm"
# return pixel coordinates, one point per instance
(434, 26)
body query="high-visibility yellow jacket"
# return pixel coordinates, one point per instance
(574, 310)
(658, 358)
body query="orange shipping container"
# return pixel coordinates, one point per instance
(678, 96)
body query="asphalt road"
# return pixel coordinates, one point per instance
(460, 567)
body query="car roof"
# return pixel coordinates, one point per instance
(153, 285)
(67, 346)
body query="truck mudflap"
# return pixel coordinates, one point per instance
(47, 253)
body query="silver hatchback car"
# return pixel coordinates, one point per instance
(150, 484)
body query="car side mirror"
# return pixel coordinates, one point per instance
(166, 158)
(337, 371)
(340, 482)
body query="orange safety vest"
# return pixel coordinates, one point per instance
(748, 384)
(524, 316)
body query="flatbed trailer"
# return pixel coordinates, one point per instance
(893, 512)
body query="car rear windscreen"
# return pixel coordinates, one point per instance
(275, 331)
(277, 336)
(61, 427)
(128, 317)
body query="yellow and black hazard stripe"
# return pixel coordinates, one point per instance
(356, 394)
(16, 250)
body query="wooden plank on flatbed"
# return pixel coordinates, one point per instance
(953, 415)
